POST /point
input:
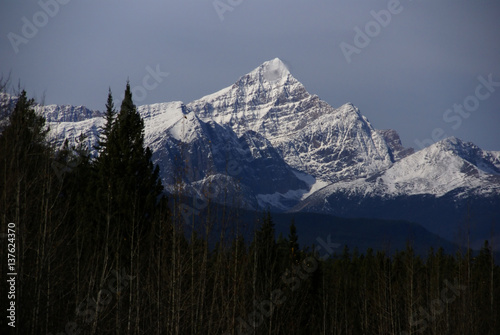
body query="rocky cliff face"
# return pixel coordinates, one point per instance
(192, 151)
(393, 141)
(328, 143)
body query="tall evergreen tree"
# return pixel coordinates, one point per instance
(265, 263)
(125, 164)
(108, 126)
(127, 194)
(23, 149)
(32, 201)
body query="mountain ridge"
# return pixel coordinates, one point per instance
(295, 149)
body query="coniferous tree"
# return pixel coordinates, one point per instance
(135, 187)
(483, 287)
(122, 201)
(136, 179)
(265, 263)
(109, 116)
(32, 199)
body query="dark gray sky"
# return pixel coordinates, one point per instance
(418, 63)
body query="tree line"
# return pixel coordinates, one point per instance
(101, 249)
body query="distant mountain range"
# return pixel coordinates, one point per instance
(265, 142)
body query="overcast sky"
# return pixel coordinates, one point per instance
(403, 71)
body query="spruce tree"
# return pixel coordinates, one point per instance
(32, 201)
(23, 151)
(126, 164)
(128, 184)
(128, 191)
(108, 126)
(103, 180)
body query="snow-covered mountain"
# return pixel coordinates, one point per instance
(327, 143)
(197, 156)
(447, 166)
(198, 152)
(269, 142)
(451, 187)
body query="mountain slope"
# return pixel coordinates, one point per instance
(313, 137)
(438, 187)
(200, 157)
(268, 100)
(436, 170)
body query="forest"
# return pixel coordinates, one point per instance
(100, 248)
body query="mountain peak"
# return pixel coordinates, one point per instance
(464, 151)
(452, 140)
(275, 60)
(349, 107)
(454, 144)
(272, 71)
(276, 63)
